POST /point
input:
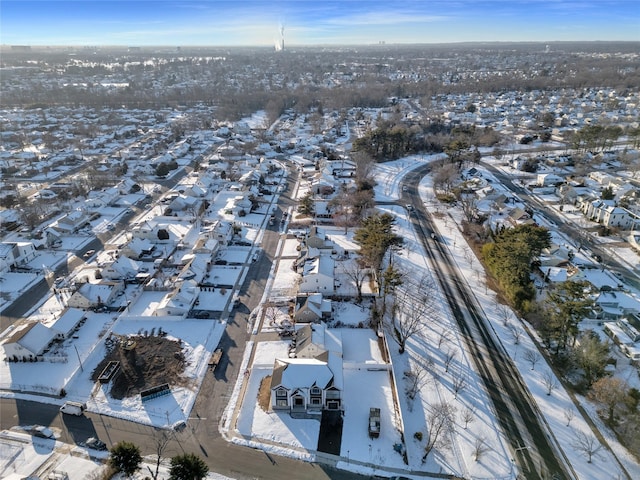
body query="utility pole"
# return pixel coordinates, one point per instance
(79, 361)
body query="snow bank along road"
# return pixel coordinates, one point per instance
(531, 447)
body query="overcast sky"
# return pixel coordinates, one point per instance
(312, 22)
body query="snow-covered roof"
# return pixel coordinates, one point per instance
(34, 337)
(302, 373)
(68, 320)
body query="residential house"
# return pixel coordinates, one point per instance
(30, 341)
(517, 216)
(122, 268)
(594, 210)
(69, 322)
(52, 237)
(548, 179)
(318, 276)
(139, 248)
(614, 305)
(163, 230)
(14, 254)
(311, 308)
(92, 295)
(316, 238)
(71, 222)
(618, 217)
(311, 379)
(179, 301)
(6, 257)
(555, 255)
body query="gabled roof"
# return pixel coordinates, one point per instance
(68, 320)
(96, 292)
(34, 337)
(301, 373)
(308, 335)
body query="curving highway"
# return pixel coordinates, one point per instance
(532, 448)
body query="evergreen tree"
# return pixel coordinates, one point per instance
(375, 236)
(187, 467)
(125, 457)
(567, 304)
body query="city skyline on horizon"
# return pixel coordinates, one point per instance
(308, 23)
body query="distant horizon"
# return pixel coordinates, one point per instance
(300, 23)
(332, 45)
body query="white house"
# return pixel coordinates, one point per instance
(91, 295)
(71, 222)
(548, 179)
(318, 276)
(14, 254)
(68, 322)
(312, 381)
(619, 217)
(122, 268)
(28, 342)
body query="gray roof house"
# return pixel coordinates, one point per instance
(312, 380)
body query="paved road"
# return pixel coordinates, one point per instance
(514, 408)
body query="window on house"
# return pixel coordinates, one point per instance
(315, 391)
(316, 401)
(281, 402)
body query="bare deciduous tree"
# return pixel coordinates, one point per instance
(413, 305)
(468, 415)
(586, 443)
(610, 392)
(444, 336)
(160, 442)
(458, 383)
(448, 358)
(532, 356)
(270, 312)
(516, 333)
(480, 447)
(468, 254)
(504, 312)
(569, 413)
(550, 381)
(469, 205)
(439, 423)
(416, 379)
(356, 272)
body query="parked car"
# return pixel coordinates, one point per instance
(73, 408)
(94, 443)
(39, 431)
(88, 253)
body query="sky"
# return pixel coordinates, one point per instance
(313, 22)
